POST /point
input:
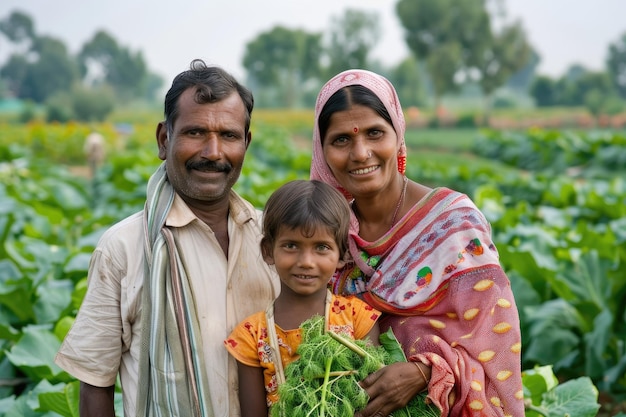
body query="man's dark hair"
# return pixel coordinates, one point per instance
(211, 83)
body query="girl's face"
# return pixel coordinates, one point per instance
(361, 149)
(305, 264)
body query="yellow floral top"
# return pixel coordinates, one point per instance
(249, 343)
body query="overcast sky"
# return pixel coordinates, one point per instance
(170, 34)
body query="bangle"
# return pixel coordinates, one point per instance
(417, 364)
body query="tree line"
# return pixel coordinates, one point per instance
(85, 86)
(454, 46)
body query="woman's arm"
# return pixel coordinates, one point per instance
(252, 398)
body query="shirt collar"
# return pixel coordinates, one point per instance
(180, 215)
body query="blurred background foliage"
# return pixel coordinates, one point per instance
(465, 68)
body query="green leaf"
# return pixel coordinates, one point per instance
(79, 293)
(576, 397)
(66, 195)
(7, 332)
(34, 354)
(36, 255)
(536, 241)
(613, 375)
(534, 387)
(553, 331)
(53, 297)
(619, 228)
(63, 326)
(596, 343)
(64, 402)
(392, 346)
(6, 404)
(537, 381)
(21, 408)
(8, 270)
(78, 263)
(8, 378)
(28, 402)
(588, 279)
(16, 295)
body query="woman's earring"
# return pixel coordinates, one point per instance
(401, 164)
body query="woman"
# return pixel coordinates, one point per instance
(422, 256)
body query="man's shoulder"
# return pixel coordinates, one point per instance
(243, 210)
(125, 229)
(135, 220)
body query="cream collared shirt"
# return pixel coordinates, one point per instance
(105, 338)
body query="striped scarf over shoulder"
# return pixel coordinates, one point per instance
(172, 375)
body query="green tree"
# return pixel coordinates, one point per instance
(575, 86)
(407, 78)
(59, 108)
(18, 27)
(92, 104)
(104, 61)
(53, 70)
(506, 52)
(352, 37)
(447, 35)
(544, 91)
(14, 72)
(42, 68)
(522, 79)
(283, 59)
(616, 64)
(578, 87)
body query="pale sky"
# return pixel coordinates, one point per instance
(170, 34)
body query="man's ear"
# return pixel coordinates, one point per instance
(248, 139)
(162, 140)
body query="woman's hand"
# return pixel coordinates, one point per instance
(392, 387)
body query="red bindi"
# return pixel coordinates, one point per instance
(356, 130)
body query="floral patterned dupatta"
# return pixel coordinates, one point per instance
(437, 278)
(404, 271)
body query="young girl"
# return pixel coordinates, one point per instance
(305, 230)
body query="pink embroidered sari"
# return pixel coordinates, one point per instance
(436, 277)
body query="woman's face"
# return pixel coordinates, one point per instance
(361, 149)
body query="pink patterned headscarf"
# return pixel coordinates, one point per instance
(384, 90)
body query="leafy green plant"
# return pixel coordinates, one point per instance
(561, 240)
(324, 380)
(544, 396)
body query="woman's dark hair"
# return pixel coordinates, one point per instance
(344, 99)
(306, 205)
(212, 84)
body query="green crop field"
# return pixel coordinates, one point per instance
(556, 201)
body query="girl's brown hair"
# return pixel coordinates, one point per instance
(306, 205)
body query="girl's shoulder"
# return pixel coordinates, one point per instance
(343, 302)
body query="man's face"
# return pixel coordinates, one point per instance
(205, 151)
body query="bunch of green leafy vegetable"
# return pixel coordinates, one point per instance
(324, 379)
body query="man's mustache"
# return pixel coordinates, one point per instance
(209, 166)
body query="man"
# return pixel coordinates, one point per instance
(168, 284)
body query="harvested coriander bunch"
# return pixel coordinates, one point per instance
(324, 380)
